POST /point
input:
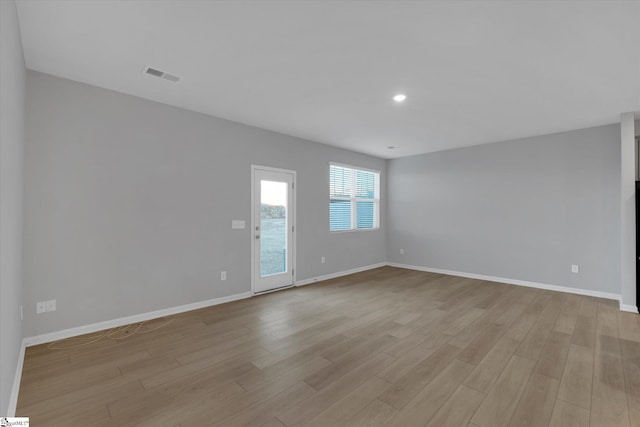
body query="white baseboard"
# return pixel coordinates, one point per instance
(108, 324)
(339, 274)
(588, 292)
(15, 390)
(629, 308)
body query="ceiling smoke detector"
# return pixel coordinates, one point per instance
(162, 74)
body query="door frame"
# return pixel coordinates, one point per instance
(292, 214)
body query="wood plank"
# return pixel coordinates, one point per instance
(351, 360)
(418, 377)
(536, 405)
(355, 401)
(462, 320)
(577, 378)
(532, 345)
(264, 411)
(568, 415)
(488, 370)
(430, 399)
(413, 358)
(405, 345)
(566, 321)
(482, 345)
(304, 412)
(253, 380)
(629, 326)
(194, 409)
(498, 407)
(87, 415)
(631, 368)
(274, 423)
(584, 333)
(458, 410)
(375, 414)
(554, 354)
(609, 405)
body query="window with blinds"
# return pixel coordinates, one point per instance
(354, 198)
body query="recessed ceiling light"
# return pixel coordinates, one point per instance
(391, 147)
(400, 97)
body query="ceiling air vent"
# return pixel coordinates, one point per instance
(162, 74)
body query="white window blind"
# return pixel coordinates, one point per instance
(354, 198)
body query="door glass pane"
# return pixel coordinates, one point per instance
(273, 227)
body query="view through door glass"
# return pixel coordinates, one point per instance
(273, 226)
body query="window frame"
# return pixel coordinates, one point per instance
(353, 199)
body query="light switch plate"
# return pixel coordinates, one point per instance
(41, 307)
(237, 224)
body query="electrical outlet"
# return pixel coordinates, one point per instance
(322, 260)
(401, 251)
(575, 268)
(51, 305)
(223, 275)
(41, 307)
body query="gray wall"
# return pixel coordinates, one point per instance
(524, 209)
(12, 110)
(129, 204)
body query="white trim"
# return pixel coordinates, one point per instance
(355, 230)
(344, 165)
(353, 200)
(273, 290)
(516, 282)
(108, 324)
(628, 257)
(339, 274)
(629, 308)
(272, 169)
(15, 390)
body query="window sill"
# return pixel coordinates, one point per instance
(354, 231)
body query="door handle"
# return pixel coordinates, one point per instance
(257, 236)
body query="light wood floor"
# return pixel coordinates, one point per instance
(387, 347)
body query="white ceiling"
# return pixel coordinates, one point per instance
(474, 72)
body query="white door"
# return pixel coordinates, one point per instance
(272, 228)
